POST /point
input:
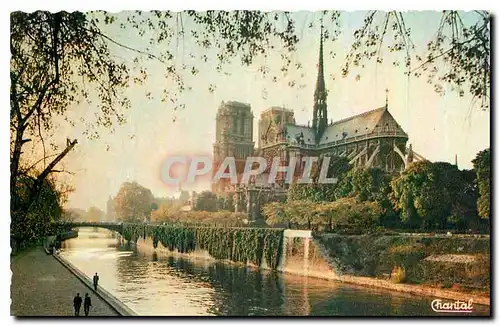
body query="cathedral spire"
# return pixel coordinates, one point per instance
(320, 116)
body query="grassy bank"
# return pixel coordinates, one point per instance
(459, 263)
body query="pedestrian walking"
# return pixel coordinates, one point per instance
(87, 304)
(96, 281)
(77, 303)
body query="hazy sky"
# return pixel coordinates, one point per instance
(438, 126)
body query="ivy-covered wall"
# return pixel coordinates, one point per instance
(244, 245)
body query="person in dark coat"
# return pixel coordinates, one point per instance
(77, 303)
(96, 281)
(87, 304)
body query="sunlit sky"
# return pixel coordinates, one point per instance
(438, 126)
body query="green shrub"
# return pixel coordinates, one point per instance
(407, 255)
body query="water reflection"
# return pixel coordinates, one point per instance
(152, 283)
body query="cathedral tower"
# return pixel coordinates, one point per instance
(234, 137)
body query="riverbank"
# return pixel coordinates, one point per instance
(453, 268)
(421, 290)
(42, 286)
(314, 265)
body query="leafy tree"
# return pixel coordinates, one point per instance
(482, 166)
(133, 202)
(300, 213)
(47, 52)
(61, 59)
(275, 214)
(364, 184)
(370, 184)
(429, 195)
(349, 212)
(165, 212)
(464, 213)
(221, 218)
(342, 213)
(46, 209)
(316, 192)
(206, 201)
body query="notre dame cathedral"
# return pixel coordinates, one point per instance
(371, 139)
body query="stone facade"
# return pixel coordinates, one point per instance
(234, 137)
(371, 139)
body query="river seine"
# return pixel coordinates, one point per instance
(159, 285)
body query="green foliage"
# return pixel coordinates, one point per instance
(342, 213)
(365, 184)
(430, 195)
(482, 166)
(206, 201)
(275, 213)
(225, 202)
(350, 213)
(48, 50)
(407, 255)
(317, 192)
(42, 213)
(201, 218)
(245, 245)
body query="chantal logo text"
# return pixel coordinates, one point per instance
(458, 306)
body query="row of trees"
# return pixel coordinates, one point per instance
(426, 196)
(220, 218)
(343, 213)
(61, 59)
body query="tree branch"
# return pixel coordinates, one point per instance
(124, 46)
(35, 190)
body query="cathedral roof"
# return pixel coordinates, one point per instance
(293, 133)
(354, 126)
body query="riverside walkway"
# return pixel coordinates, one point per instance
(42, 286)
